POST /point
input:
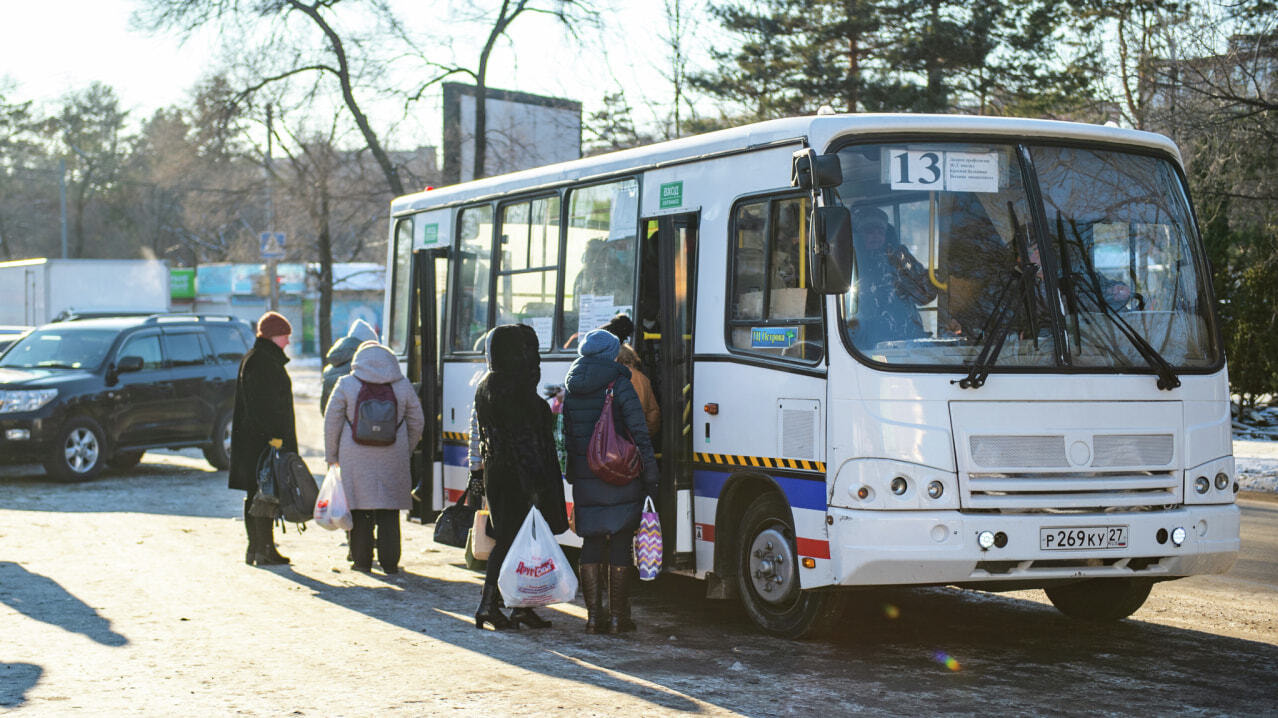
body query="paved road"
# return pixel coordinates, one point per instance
(128, 596)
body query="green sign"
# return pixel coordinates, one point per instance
(182, 283)
(672, 195)
(430, 234)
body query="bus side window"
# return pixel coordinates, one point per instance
(474, 268)
(773, 312)
(599, 272)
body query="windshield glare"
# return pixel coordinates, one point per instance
(947, 251)
(60, 348)
(1121, 227)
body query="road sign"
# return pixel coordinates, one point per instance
(272, 245)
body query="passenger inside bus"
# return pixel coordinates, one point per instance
(890, 286)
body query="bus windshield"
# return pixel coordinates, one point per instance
(951, 259)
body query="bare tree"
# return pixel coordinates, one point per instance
(569, 13)
(328, 54)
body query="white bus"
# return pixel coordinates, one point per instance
(888, 349)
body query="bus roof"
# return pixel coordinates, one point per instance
(817, 131)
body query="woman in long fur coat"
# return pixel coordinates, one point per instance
(521, 468)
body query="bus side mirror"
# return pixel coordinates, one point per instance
(830, 248)
(810, 171)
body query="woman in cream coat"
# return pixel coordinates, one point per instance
(377, 479)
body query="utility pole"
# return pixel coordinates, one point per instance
(271, 264)
(62, 201)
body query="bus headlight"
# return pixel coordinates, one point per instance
(1222, 481)
(900, 485)
(1178, 535)
(935, 489)
(1201, 484)
(985, 540)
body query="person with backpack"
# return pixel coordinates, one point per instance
(371, 424)
(337, 363)
(517, 449)
(263, 417)
(607, 514)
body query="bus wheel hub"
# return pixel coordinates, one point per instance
(771, 566)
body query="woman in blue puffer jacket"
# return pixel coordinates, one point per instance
(607, 515)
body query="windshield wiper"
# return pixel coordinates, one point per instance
(999, 322)
(993, 334)
(1167, 379)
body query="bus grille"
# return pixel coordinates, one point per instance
(1085, 491)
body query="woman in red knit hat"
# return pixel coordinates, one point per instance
(263, 416)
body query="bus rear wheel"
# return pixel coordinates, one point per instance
(768, 574)
(1100, 599)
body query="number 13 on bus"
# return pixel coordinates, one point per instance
(888, 350)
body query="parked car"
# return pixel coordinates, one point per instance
(10, 334)
(78, 396)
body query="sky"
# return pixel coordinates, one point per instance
(51, 47)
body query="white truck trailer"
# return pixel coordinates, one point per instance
(34, 291)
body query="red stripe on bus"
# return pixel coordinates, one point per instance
(705, 532)
(454, 494)
(812, 547)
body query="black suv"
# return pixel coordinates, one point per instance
(77, 395)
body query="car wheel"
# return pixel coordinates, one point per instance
(1100, 599)
(218, 454)
(78, 453)
(768, 574)
(125, 460)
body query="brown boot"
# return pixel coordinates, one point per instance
(619, 599)
(592, 588)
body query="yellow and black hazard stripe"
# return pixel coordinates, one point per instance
(760, 462)
(457, 436)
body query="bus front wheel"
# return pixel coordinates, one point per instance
(768, 574)
(1100, 599)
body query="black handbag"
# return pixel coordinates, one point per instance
(454, 523)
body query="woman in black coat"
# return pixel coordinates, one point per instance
(607, 515)
(521, 468)
(263, 416)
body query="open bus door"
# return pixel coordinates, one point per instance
(663, 339)
(427, 285)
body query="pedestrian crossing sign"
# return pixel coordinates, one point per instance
(272, 245)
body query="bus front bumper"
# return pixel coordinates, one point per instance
(877, 548)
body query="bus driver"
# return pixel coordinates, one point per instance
(891, 284)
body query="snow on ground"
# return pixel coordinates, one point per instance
(1256, 449)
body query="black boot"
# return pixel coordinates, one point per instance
(528, 618)
(250, 528)
(489, 613)
(267, 555)
(592, 588)
(619, 599)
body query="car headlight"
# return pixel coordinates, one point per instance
(15, 401)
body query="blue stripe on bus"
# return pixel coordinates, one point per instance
(801, 493)
(456, 455)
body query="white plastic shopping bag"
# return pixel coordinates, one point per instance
(330, 507)
(536, 572)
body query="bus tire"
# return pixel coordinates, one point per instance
(1100, 599)
(768, 574)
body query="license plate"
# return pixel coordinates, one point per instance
(1082, 538)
